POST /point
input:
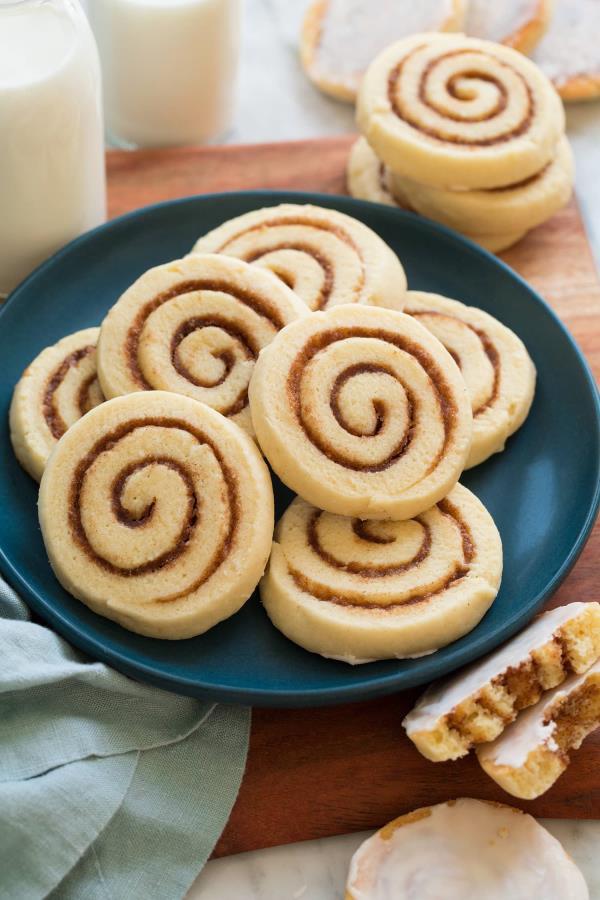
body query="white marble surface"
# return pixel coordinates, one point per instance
(277, 103)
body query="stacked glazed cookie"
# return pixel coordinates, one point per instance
(524, 707)
(464, 131)
(287, 333)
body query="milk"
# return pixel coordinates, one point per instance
(169, 68)
(52, 184)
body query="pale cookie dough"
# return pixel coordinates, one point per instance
(569, 53)
(494, 362)
(358, 590)
(340, 37)
(533, 752)
(361, 411)
(475, 705)
(516, 207)
(456, 112)
(370, 179)
(516, 23)
(157, 512)
(325, 256)
(464, 850)
(55, 390)
(194, 326)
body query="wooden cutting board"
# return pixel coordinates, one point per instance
(313, 773)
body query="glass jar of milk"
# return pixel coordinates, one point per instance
(52, 181)
(169, 68)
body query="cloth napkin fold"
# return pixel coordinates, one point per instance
(108, 789)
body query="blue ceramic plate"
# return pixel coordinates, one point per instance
(543, 491)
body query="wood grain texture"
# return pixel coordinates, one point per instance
(313, 773)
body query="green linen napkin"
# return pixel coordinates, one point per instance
(108, 789)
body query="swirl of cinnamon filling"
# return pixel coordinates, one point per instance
(56, 389)
(497, 369)
(452, 111)
(326, 257)
(370, 589)
(361, 412)
(157, 513)
(194, 327)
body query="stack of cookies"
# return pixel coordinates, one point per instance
(464, 131)
(287, 333)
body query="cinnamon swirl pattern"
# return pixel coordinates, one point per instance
(464, 848)
(325, 256)
(55, 390)
(362, 412)
(157, 512)
(370, 179)
(457, 112)
(494, 362)
(359, 590)
(515, 207)
(194, 326)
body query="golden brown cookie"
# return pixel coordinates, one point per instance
(157, 512)
(325, 256)
(55, 390)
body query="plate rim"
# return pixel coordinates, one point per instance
(377, 686)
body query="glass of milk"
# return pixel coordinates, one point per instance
(52, 182)
(169, 68)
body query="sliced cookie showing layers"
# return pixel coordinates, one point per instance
(475, 705)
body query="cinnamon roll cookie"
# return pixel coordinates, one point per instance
(456, 112)
(357, 590)
(340, 37)
(325, 256)
(361, 411)
(370, 179)
(464, 849)
(194, 326)
(475, 705)
(533, 752)
(157, 512)
(515, 207)
(569, 53)
(497, 369)
(516, 23)
(55, 390)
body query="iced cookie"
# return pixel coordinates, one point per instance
(569, 53)
(55, 390)
(157, 512)
(360, 590)
(516, 23)
(370, 179)
(457, 112)
(515, 207)
(475, 705)
(497, 369)
(533, 752)
(462, 850)
(361, 411)
(194, 326)
(324, 255)
(340, 37)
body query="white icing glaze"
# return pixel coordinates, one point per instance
(466, 849)
(442, 696)
(354, 32)
(498, 21)
(570, 46)
(530, 731)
